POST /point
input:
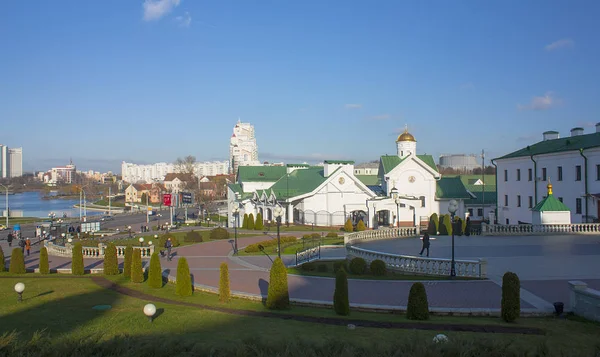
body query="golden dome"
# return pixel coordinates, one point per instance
(406, 136)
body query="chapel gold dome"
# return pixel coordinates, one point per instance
(406, 136)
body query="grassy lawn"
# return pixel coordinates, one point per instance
(301, 228)
(113, 203)
(292, 248)
(150, 237)
(62, 307)
(21, 220)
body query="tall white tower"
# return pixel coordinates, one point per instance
(406, 144)
(243, 150)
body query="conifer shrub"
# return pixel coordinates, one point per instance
(348, 226)
(253, 248)
(193, 237)
(137, 273)
(258, 225)
(434, 222)
(511, 297)
(308, 266)
(155, 279)
(445, 225)
(341, 302)
(378, 267)
(322, 268)
(219, 233)
(340, 264)
(111, 264)
(464, 227)
(315, 236)
(127, 260)
(77, 260)
(245, 221)
(2, 261)
(458, 226)
(418, 307)
(17, 262)
(358, 266)
(184, 279)
(278, 297)
(332, 235)
(44, 265)
(224, 290)
(361, 226)
(251, 221)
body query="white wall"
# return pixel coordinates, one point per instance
(254, 186)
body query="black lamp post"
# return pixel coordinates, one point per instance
(236, 216)
(129, 228)
(277, 213)
(452, 208)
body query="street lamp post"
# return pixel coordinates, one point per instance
(129, 228)
(6, 189)
(452, 208)
(394, 194)
(277, 212)
(63, 238)
(236, 214)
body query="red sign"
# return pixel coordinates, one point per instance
(167, 199)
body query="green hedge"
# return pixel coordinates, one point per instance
(253, 248)
(458, 225)
(184, 279)
(155, 279)
(111, 264)
(251, 221)
(378, 267)
(434, 222)
(2, 262)
(17, 262)
(44, 265)
(341, 302)
(245, 221)
(278, 296)
(224, 290)
(259, 225)
(137, 273)
(77, 267)
(332, 235)
(418, 307)
(219, 233)
(511, 297)
(445, 225)
(127, 261)
(358, 266)
(193, 237)
(340, 264)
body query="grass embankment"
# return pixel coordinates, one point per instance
(117, 203)
(272, 228)
(21, 220)
(62, 307)
(180, 236)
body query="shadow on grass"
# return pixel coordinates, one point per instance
(40, 294)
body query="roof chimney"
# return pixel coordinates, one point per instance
(598, 127)
(576, 131)
(551, 135)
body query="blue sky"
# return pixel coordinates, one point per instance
(149, 81)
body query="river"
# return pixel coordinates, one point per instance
(31, 204)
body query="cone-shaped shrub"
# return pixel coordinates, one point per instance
(341, 302)
(127, 261)
(511, 297)
(111, 264)
(458, 226)
(258, 225)
(278, 297)
(361, 226)
(245, 221)
(250, 221)
(17, 262)
(224, 291)
(2, 263)
(464, 227)
(348, 226)
(434, 221)
(77, 260)
(44, 266)
(418, 307)
(378, 267)
(445, 225)
(184, 280)
(137, 273)
(155, 272)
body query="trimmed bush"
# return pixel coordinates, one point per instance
(458, 226)
(259, 225)
(77, 260)
(418, 307)
(278, 297)
(163, 240)
(155, 279)
(253, 248)
(378, 267)
(358, 266)
(111, 264)
(17, 262)
(322, 268)
(315, 236)
(464, 227)
(137, 273)
(445, 225)
(340, 264)
(224, 290)
(341, 302)
(245, 221)
(193, 237)
(361, 226)
(434, 222)
(44, 265)
(348, 226)
(219, 233)
(2, 262)
(332, 235)
(308, 267)
(511, 297)
(184, 279)
(127, 260)
(251, 221)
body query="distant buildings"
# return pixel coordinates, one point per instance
(60, 174)
(461, 162)
(243, 150)
(11, 162)
(134, 173)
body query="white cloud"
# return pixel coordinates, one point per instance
(353, 106)
(155, 9)
(380, 117)
(544, 102)
(185, 20)
(564, 43)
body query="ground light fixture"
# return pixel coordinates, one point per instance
(149, 311)
(141, 240)
(19, 288)
(70, 240)
(452, 208)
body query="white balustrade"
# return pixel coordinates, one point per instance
(93, 252)
(377, 234)
(535, 229)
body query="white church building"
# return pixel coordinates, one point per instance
(410, 190)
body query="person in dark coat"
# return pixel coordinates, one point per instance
(425, 243)
(9, 239)
(168, 245)
(468, 227)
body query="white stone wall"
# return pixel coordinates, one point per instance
(584, 301)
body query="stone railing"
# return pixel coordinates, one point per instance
(584, 301)
(376, 234)
(93, 252)
(421, 266)
(534, 229)
(308, 255)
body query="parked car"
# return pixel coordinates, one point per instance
(3, 227)
(108, 217)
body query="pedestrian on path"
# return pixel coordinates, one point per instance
(27, 245)
(9, 239)
(425, 243)
(168, 245)
(22, 245)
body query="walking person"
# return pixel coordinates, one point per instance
(9, 239)
(27, 245)
(168, 245)
(22, 245)
(425, 243)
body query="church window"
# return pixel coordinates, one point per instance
(422, 198)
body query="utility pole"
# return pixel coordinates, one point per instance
(147, 211)
(109, 194)
(80, 203)
(483, 180)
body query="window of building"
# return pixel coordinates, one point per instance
(505, 200)
(505, 175)
(507, 221)
(470, 212)
(530, 201)
(578, 173)
(422, 201)
(560, 173)
(518, 200)
(578, 205)
(597, 172)
(518, 174)
(530, 174)
(544, 177)
(560, 199)
(480, 212)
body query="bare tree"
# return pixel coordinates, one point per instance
(187, 167)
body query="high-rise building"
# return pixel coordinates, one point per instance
(3, 161)
(243, 150)
(15, 162)
(134, 173)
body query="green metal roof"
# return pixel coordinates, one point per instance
(570, 143)
(369, 180)
(489, 197)
(299, 182)
(297, 165)
(451, 187)
(237, 188)
(260, 173)
(339, 162)
(550, 203)
(389, 162)
(428, 159)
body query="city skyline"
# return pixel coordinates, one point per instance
(318, 81)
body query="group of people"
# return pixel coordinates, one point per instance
(24, 244)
